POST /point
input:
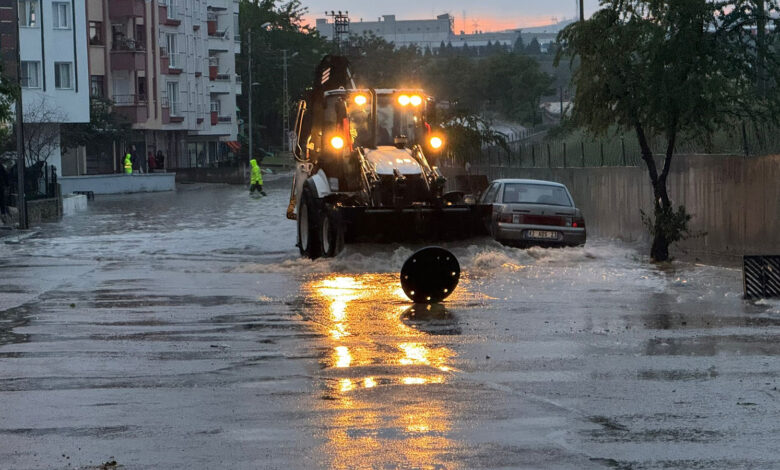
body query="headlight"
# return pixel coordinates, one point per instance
(360, 100)
(416, 100)
(404, 100)
(436, 142)
(337, 142)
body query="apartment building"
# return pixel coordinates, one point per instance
(169, 68)
(54, 72)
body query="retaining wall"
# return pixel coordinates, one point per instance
(119, 183)
(229, 175)
(735, 200)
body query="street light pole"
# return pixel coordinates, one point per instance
(285, 106)
(251, 81)
(21, 200)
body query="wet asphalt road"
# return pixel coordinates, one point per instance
(181, 330)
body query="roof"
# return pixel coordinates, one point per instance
(518, 180)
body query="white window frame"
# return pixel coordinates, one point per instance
(58, 75)
(60, 12)
(37, 74)
(26, 11)
(172, 88)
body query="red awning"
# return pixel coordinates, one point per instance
(234, 145)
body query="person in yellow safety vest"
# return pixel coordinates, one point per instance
(128, 164)
(256, 181)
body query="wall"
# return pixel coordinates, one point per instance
(735, 200)
(229, 175)
(119, 183)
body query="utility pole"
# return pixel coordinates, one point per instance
(582, 10)
(251, 87)
(21, 200)
(285, 106)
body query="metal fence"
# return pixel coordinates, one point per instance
(624, 150)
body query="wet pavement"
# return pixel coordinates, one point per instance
(181, 330)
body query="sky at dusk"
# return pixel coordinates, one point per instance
(491, 15)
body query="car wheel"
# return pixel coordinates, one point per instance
(309, 241)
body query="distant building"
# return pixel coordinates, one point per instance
(54, 72)
(169, 67)
(423, 33)
(432, 33)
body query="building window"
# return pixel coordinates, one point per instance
(96, 33)
(61, 15)
(97, 86)
(173, 98)
(62, 75)
(31, 72)
(29, 13)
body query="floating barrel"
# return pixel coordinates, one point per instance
(430, 275)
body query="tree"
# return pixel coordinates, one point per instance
(104, 126)
(41, 137)
(8, 93)
(534, 48)
(468, 133)
(286, 30)
(519, 46)
(662, 69)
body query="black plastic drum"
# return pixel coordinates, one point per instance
(430, 275)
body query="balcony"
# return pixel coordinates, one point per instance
(126, 9)
(213, 68)
(222, 84)
(128, 54)
(238, 84)
(132, 107)
(170, 12)
(211, 23)
(165, 60)
(175, 63)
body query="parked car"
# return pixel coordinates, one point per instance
(532, 212)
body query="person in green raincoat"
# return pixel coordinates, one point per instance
(256, 181)
(128, 163)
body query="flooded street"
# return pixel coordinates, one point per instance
(183, 330)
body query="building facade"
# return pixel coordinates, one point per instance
(168, 66)
(422, 33)
(54, 70)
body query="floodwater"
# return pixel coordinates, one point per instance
(182, 330)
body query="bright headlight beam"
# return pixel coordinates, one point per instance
(360, 100)
(436, 142)
(416, 100)
(337, 143)
(404, 100)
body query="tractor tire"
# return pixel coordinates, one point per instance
(332, 231)
(309, 214)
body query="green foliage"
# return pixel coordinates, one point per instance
(668, 223)
(666, 68)
(104, 126)
(466, 134)
(8, 93)
(286, 31)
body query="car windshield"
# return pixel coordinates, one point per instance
(394, 120)
(528, 193)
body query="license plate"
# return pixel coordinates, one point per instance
(543, 234)
(515, 219)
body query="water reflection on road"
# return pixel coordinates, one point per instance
(379, 374)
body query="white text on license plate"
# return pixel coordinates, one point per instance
(547, 235)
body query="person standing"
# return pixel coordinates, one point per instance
(159, 160)
(128, 163)
(256, 180)
(151, 162)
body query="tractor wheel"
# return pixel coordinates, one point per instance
(309, 241)
(332, 230)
